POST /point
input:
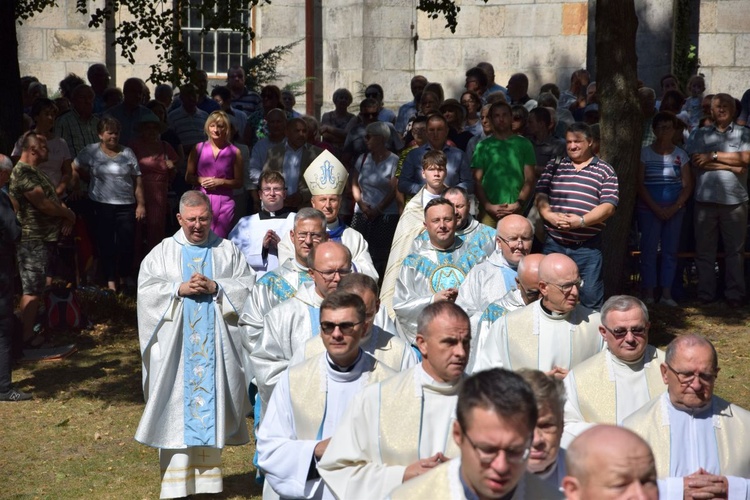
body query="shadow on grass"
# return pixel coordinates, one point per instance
(108, 376)
(238, 485)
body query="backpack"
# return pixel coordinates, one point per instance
(63, 310)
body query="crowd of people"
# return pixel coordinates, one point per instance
(409, 303)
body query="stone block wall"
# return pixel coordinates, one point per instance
(724, 45)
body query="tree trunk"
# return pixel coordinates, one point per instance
(11, 107)
(621, 125)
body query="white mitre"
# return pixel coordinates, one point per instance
(326, 175)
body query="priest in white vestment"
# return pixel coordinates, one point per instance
(492, 279)
(190, 289)
(610, 462)
(310, 398)
(496, 414)
(289, 325)
(436, 271)
(400, 428)
(547, 456)
(700, 441)
(326, 177)
(281, 284)
(381, 343)
(411, 222)
(258, 235)
(552, 334)
(612, 385)
(525, 292)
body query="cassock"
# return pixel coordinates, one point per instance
(390, 350)
(534, 338)
(340, 233)
(193, 379)
(387, 427)
(605, 389)
(305, 408)
(427, 272)
(410, 224)
(494, 311)
(487, 282)
(250, 231)
(714, 438)
(270, 290)
(445, 482)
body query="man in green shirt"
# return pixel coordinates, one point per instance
(503, 166)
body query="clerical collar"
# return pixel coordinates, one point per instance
(264, 214)
(335, 230)
(549, 312)
(343, 369)
(427, 382)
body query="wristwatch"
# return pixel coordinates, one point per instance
(583, 222)
(715, 156)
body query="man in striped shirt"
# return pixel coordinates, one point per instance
(575, 197)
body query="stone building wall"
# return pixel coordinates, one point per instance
(724, 45)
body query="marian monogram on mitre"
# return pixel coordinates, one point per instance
(326, 175)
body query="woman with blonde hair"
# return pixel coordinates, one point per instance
(215, 168)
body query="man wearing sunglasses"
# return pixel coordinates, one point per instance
(399, 429)
(494, 429)
(700, 441)
(608, 387)
(289, 325)
(302, 416)
(552, 334)
(525, 292)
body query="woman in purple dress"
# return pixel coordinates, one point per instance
(215, 167)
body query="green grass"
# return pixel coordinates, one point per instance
(75, 439)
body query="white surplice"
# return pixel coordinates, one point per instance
(492, 313)
(533, 338)
(716, 438)
(249, 233)
(387, 427)
(161, 336)
(487, 282)
(605, 390)
(285, 448)
(350, 238)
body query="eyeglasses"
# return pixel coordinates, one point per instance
(269, 190)
(686, 378)
(199, 220)
(567, 287)
(486, 457)
(516, 240)
(328, 275)
(347, 327)
(637, 331)
(313, 236)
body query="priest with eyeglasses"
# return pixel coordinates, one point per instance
(608, 387)
(552, 334)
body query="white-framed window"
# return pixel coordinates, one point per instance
(217, 50)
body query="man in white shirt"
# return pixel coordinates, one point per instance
(700, 441)
(310, 399)
(494, 428)
(400, 428)
(610, 463)
(608, 387)
(552, 334)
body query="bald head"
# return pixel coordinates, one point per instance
(528, 276)
(329, 261)
(605, 457)
(559, 283)
(515, 235)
